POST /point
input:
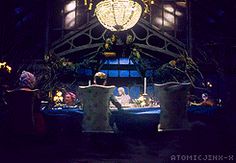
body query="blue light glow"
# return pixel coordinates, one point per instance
(124, 61)
(113, 73)
(124, 73)
(134, 73)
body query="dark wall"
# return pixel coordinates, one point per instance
(214, 42)
(23, 31)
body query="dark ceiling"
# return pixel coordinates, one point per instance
(214, 20)
(23, 31)
(22, 35)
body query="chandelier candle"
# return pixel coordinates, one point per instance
(145, 86)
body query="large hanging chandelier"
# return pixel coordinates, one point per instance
(118, 15)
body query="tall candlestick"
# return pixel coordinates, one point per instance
(89, 83)
(145, 86)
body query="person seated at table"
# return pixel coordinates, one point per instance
(123, 98)
(206, 100)
(24, 107)
(70, 99)
(100, 78)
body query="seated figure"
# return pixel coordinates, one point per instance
(206, 100)
(95, 100)
(70, 99)
(123, 98)
(24, 106)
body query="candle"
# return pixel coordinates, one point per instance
(89, 83)
(145, 86)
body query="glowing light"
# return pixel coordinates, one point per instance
(209, 84)
(145, 86)
(58, 97)
(3, 65)
(181, 4)
(8, 69)
(70, 14)
(70, 6)
(85, 2)
(169, 17)
(59, 93)
(90, 6)
(118, 15)
(166, 23)
(169, 8)
(178, 13)
(70, 20)
(158, 20)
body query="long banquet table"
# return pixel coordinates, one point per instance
(127, 119)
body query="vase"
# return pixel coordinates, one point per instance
(173, 103)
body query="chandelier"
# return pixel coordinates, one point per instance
(118, 15)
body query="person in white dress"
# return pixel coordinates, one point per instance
(123, 98)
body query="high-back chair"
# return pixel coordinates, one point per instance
(173, 102)
(21, 105)
(95, 100)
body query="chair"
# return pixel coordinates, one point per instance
(21, 106)
(173, 102)
(96, 100)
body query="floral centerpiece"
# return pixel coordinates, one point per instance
(142, 101)
(58, 98)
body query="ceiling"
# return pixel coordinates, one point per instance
(23, 32)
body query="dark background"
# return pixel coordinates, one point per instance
(23, 40)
